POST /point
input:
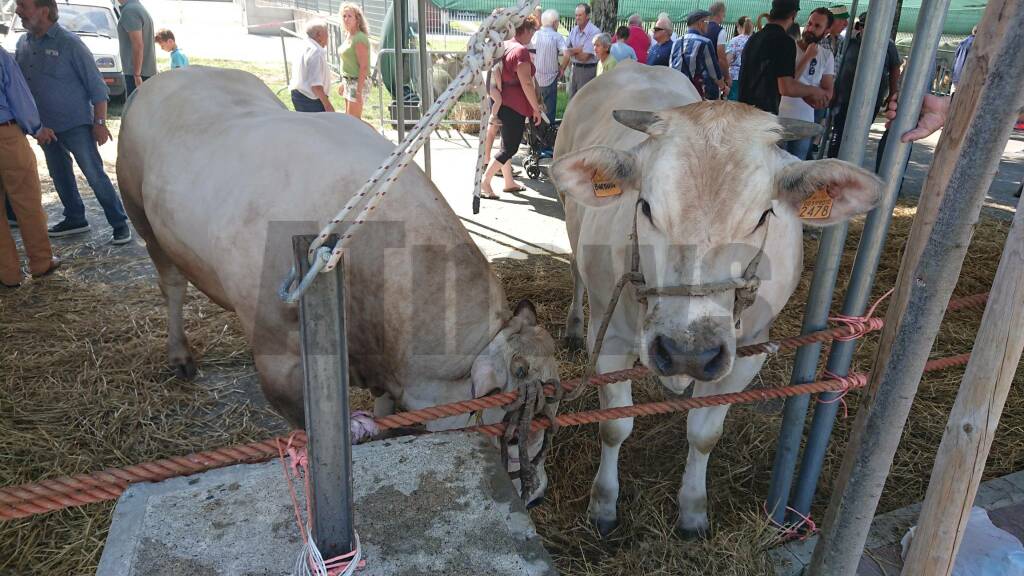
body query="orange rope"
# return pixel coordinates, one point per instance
(29, 499)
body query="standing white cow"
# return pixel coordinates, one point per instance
(708, 190)
(217, 176)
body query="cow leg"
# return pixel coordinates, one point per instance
(383, 405)
(604, 494)
(179, 354)
(703, 429)
(574, 321)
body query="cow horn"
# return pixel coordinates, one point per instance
(638, 120)
(793, 129)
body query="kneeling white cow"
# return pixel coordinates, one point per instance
(716, 209)
(217, 176)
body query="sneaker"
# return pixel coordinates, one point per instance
(66, 228)
(12, 223)
(122, 235)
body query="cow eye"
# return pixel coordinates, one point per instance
(645, 207)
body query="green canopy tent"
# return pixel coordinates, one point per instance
(963, 14)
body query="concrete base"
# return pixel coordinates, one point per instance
(434, 504)
(1002, 497)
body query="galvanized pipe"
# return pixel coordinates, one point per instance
(980, 120)
(399, 17)
(869, 252)
(830, 251)
(426, 91)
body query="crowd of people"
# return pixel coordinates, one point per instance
(51, 90)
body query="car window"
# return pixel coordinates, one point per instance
(82, 20)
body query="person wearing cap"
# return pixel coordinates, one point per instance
(19, 179)
(840, 19)
(694, 54)
(768, 69)
(660, 53)
(581, 50)
(719, 38)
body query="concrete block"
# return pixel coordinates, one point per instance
(434, 504)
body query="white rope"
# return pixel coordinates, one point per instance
(483, 48)
(311, 562)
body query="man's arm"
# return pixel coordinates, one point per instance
(23, 106)
(789, 86)
(828, 85)
(723, 58)
(321, 95)
(135, 36)
(894, 71)
(711, 64)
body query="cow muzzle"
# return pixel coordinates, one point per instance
(705, 362)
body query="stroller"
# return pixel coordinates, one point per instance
(541, 140)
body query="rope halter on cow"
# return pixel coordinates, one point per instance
(744, 288)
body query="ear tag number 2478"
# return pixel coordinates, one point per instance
(817, 206)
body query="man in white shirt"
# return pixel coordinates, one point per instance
(815, 66)
(581, 49)
(311, 78)
(549, 46)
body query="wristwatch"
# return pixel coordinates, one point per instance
(100, 121)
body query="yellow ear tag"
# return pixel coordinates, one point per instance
(604, 187)
(817, 206)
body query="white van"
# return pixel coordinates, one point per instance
(95, 22)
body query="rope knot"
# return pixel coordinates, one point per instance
(846, 383)
(363, 426)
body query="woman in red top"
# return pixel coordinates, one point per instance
(518, 102)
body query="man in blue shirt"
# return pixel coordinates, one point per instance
(661, 51)
(695, 55)
(72, 100)
(19, 179)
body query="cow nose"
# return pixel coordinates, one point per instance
(671, 359)
(667, 355)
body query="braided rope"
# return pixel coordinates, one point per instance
(484, 46)
(30, 499)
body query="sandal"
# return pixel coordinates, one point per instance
(488, 196)
(514, 189)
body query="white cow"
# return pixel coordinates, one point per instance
(708, 187)
(217, 176)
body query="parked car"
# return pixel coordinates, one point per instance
(95, 22)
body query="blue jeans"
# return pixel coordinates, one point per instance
(549, 97)
(798, 148)
(78, 142)
(303, 103)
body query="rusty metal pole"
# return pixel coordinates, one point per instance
(324, 350)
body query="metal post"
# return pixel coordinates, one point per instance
(830, 251)
(425, 80)
(979, 125)
(284, 55)
(325, 387)
(399, 9)
(876, 227)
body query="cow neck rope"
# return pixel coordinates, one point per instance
(745, 288)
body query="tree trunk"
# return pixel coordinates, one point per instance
(605, 15)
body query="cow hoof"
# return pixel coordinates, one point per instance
(604, 527)
(184, 369)
(536, 501)
(573, 343)
(692, 534)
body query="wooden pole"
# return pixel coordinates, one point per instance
(973, 420)
(325, 388)
(964, 164)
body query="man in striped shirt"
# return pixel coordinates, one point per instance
(695, 55)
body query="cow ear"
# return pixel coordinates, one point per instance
(485, 376)
(596, 176)
(526, 312)
(825, 192)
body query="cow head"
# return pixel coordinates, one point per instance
(522, 352)
(706, 186)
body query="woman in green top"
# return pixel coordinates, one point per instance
(603, 49)
(355, 59)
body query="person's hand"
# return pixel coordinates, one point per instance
(45, 136)
(723, 86)
(101, 134)
(138, 80)
(818, 100)
(934, 111)
(812, 50)
(536, 117)
(341, 90)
